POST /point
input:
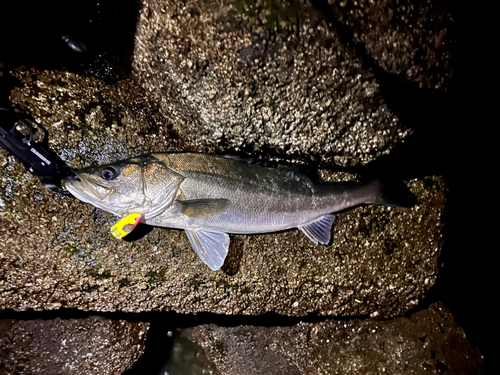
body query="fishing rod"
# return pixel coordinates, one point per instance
(17, 133)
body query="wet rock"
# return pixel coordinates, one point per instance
(88, 120)
(426, 342)
(94, 345)
(265, 78)
(58, 252)
(280, 84)
(414, 40)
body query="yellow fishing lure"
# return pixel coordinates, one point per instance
(125, 225)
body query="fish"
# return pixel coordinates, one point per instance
(74, 44)
(211, 196)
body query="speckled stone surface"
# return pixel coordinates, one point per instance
(426, 342)
(57, 252)
(94, 345)
(414, 40)
(270, 87)
(89, 121)
(262, 78)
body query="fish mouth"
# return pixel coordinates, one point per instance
(84, 190)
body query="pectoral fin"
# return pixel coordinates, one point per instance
(211, 246)
(319, 230)
(202, 208)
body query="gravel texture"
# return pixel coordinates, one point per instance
(415, 41)
(58, 252)
(94, 345)
(426, 342)
(263, 78)
(273, 82)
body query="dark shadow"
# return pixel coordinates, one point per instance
(158, 347)
(91, 38)
(430, 113)
(234, 255)
(449, 138)
(139, 231)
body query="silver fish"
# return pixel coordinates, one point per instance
(210, 196)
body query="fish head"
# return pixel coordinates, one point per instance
(115, 188)
(138, 185)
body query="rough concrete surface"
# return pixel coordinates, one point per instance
(58, 252)
(94, 345)
(268, 79)
(413, 40)
(426, 342)
(262, 78)
(278, 84)
(89, 121)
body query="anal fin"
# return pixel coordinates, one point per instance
(211, 246)
(319, 231)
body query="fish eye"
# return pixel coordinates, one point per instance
(108, 174)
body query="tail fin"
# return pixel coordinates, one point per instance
(393, 194)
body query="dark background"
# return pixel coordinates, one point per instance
(449, 139)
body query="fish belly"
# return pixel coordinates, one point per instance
(253, 214)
